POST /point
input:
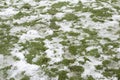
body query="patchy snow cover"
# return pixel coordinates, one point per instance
(54, 46)
(60, 40)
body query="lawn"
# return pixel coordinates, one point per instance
(60, 40)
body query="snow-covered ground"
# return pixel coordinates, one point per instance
(60, 40)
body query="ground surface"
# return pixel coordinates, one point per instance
(59, 40)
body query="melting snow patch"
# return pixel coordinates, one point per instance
(21, 66)
(59, 15)
(31, 34)
(84, 1)
(116, 17)
(54, 51)
(8, 12)
(65, 26)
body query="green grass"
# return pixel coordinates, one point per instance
(73, 50)
(60, 4)
(34, 48)
(94, 53)
(90, 78)
(67, 61)
(31, 23)
(76, 78)
(5, 71)
(52, 72)
(26, 6)
(101, 14)
(112, 72)
(76, 69)
(20, 15)
(73, 34)
(108, 51)
(115, 59)
(97, 20)
(64, 43)
(55, 34)
(73, 43)
(42, 60)
(26, 78)
(90, 32)
(78, 7)
(6, 40)
(52, 11)
(99, 67)
(54, 26)
(70, 17)
(62, 75)
(106, 63)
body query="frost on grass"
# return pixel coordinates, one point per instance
(60, 40)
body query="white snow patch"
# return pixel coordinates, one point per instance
(46, 17)
(118, 49)
(15, 30)
(116, 17)
(84, 1)
(31, 34)
(49, 32)
(21, 66)
(15, 52)
(8, 12)
(90, 48)
(32, 2)
(106, 34)
(90, 68)
(65, 26)
(59, 15)
(44, 3)
(25, 19)
(55, 50)
(5, 61)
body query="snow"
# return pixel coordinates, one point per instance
(15, 52)
(90, 68)
(15, 30)
(8, 12)
(90, 48)
(5, 61)
(25, 19)
(30, 35)
(116, 17)
(118, 49)
(54, 46)
(50, 32)
(59, 15)
(55, 50)
(84, 1)
(65, 26)
(21, 66)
